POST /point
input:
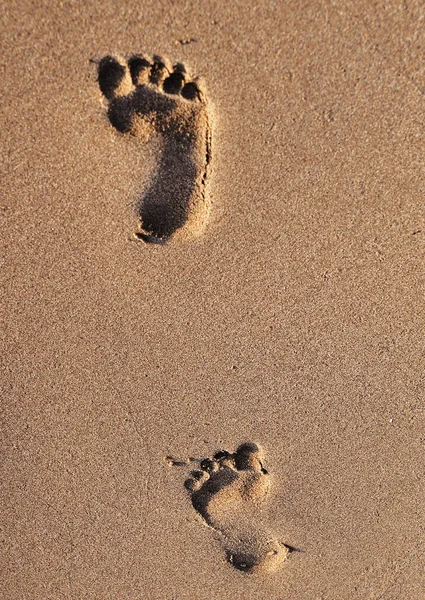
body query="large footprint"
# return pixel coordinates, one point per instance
(227, 492)
(149, 97)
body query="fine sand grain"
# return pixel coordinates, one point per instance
(272, 349)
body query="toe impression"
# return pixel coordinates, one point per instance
(114, 77)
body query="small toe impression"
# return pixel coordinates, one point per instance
(196, 480)
(174, 83)
(139, 69)
(114, 78)
(159, 71)
(190, 484)
(222, 455)
(198, 475)
(209, 465)
(191, 91)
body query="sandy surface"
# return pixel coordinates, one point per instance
(295, 321)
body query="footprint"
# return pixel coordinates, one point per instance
(148, 97)
(228, 491)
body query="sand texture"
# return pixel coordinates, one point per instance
(213, 300)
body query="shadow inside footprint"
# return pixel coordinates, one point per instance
(163, 208)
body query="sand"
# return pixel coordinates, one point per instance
(295, 320)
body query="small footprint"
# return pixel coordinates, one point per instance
(228, 491)
(149, 97)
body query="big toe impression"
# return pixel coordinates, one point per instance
(114, 77)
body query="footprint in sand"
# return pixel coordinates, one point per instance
(148, 97)
(228, 491)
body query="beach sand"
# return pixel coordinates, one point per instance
(295, 320)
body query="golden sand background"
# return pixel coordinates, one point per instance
(296, 320)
